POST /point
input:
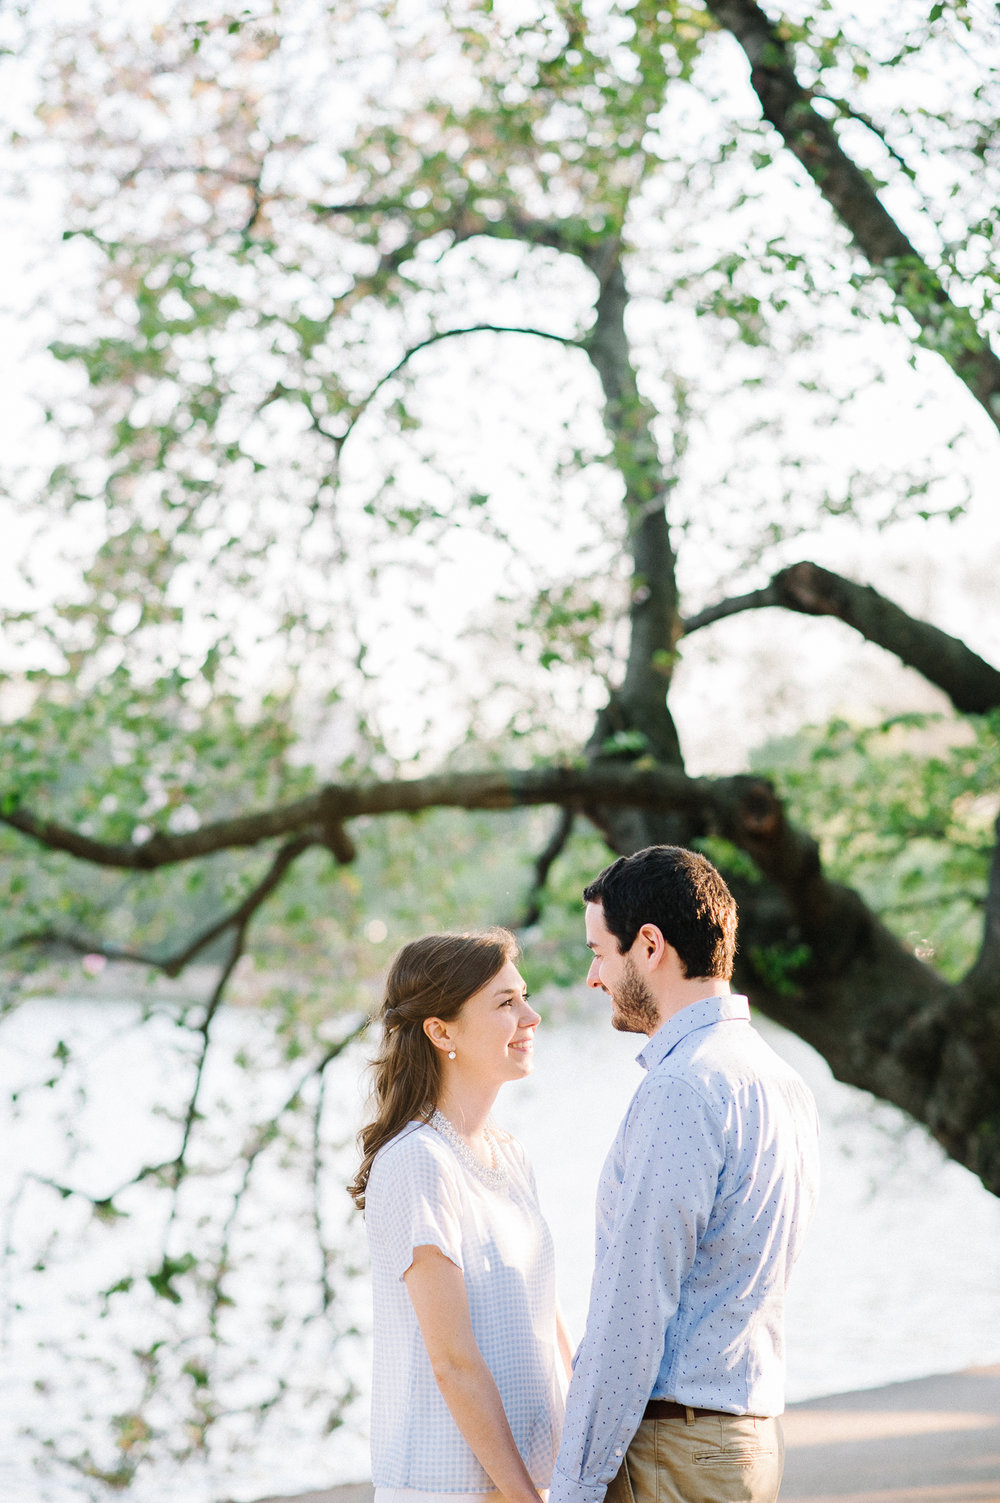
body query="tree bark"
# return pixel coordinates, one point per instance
(945, 328)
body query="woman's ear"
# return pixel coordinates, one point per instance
(437, 1032)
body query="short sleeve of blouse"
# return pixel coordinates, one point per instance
(412, 1200)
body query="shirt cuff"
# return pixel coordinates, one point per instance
(563, 1489)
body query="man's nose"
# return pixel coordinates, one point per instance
(594, 975)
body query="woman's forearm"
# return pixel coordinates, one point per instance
(477, 1409)
(437, 1289)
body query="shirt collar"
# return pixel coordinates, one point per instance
(696, 1015)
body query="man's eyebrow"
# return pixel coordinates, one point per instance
(592, 945)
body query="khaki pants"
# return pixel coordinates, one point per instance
(716, 1459)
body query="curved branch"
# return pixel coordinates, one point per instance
(972, 684)
(945, 328)
(466, 222)
(436, 338)
(60, 939)
(735, 605)
(549, 854)
(173, 965)
(262, 1139)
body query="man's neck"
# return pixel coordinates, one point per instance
(687, 993)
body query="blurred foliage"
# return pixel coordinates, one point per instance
(905, 812)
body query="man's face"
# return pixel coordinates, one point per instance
(633, 1008)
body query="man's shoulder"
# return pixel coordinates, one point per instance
(718, 1061)
(732, 1047)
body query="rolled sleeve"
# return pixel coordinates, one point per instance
(413, 1201)
(657, 1192)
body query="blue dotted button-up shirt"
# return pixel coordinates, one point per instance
(702, 1206)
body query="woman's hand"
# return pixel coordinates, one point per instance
(437, 1290)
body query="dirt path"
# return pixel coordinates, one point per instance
(934, 1440)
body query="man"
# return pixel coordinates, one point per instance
(701, 1209)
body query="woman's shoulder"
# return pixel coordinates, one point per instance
(415, 1168)
(415, 1146)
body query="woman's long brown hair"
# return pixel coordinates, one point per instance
(431, 977)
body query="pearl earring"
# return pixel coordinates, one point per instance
(451, 1054)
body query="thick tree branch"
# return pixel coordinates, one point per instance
(816, 958)
(946, 328)
(847, 112)
(972, 684)
(615, 784)
(812, 953)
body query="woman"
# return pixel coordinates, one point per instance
(467, 1393)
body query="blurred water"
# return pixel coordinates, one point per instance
(900, 1278)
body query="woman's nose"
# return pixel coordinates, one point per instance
(529, 1017)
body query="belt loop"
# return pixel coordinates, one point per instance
(688, 1415)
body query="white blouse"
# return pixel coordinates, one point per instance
(419, 1194)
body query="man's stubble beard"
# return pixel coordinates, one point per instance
(633, 1008)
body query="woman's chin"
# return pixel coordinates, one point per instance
(522, 1062)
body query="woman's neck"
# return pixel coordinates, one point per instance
(467, 1108)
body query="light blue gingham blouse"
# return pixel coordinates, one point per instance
(419, 1193)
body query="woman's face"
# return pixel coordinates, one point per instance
(493, 1036)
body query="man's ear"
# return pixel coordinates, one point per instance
(649, 947)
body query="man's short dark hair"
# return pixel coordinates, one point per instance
(682, 894)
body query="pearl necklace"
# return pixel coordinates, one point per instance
(494, 1175)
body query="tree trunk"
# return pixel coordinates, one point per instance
(637, 716)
